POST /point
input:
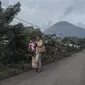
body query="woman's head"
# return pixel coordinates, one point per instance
(32, 39)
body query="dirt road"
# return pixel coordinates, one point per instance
(68, 71)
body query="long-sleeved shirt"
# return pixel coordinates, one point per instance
(40, 47)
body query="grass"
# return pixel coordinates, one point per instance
(7, 72)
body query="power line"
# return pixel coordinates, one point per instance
(30, 23)
(33, 24)
(27, 22)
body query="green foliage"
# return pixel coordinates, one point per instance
(36, 32)
(11, 36)
(10, 12)
(14, 39)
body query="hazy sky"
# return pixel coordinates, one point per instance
(40, 12)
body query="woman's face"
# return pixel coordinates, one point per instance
(30, 41)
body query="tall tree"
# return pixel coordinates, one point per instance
(6, 30)
(7, 15)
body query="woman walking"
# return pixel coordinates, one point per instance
(32, 50)
(40, 48)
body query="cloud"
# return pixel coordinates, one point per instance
(69, 10)
(66, 13)
(40, 12)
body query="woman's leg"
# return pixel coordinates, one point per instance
(38, 61)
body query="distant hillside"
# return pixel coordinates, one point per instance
(81, 25)
(64, 28)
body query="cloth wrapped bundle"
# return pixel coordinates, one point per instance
(33, 62)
